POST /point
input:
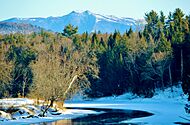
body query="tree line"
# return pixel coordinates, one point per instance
(55, 66)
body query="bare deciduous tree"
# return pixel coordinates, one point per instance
(5, 69)
(59, 73)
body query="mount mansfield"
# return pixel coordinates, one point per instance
(86, 21)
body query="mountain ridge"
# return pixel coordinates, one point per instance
(11, 27)
(86, 21)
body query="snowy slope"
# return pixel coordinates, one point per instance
(86, 21)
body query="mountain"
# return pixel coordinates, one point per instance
(10, 27)
(86, 21)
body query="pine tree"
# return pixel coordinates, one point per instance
(69, 31)
(152, 19)
(94, 40)
(129, 32)
(178, 36)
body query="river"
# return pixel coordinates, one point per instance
(107, 116)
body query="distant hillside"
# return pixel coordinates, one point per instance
(10, 27)
(86, 21)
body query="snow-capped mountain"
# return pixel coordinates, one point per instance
(86, 21)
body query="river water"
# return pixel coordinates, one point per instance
(108, 116)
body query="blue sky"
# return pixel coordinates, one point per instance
(120, 8)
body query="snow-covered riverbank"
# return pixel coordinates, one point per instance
(167, 108)
(17, 111)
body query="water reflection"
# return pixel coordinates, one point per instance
(59, 122)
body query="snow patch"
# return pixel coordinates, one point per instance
(16, 101)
